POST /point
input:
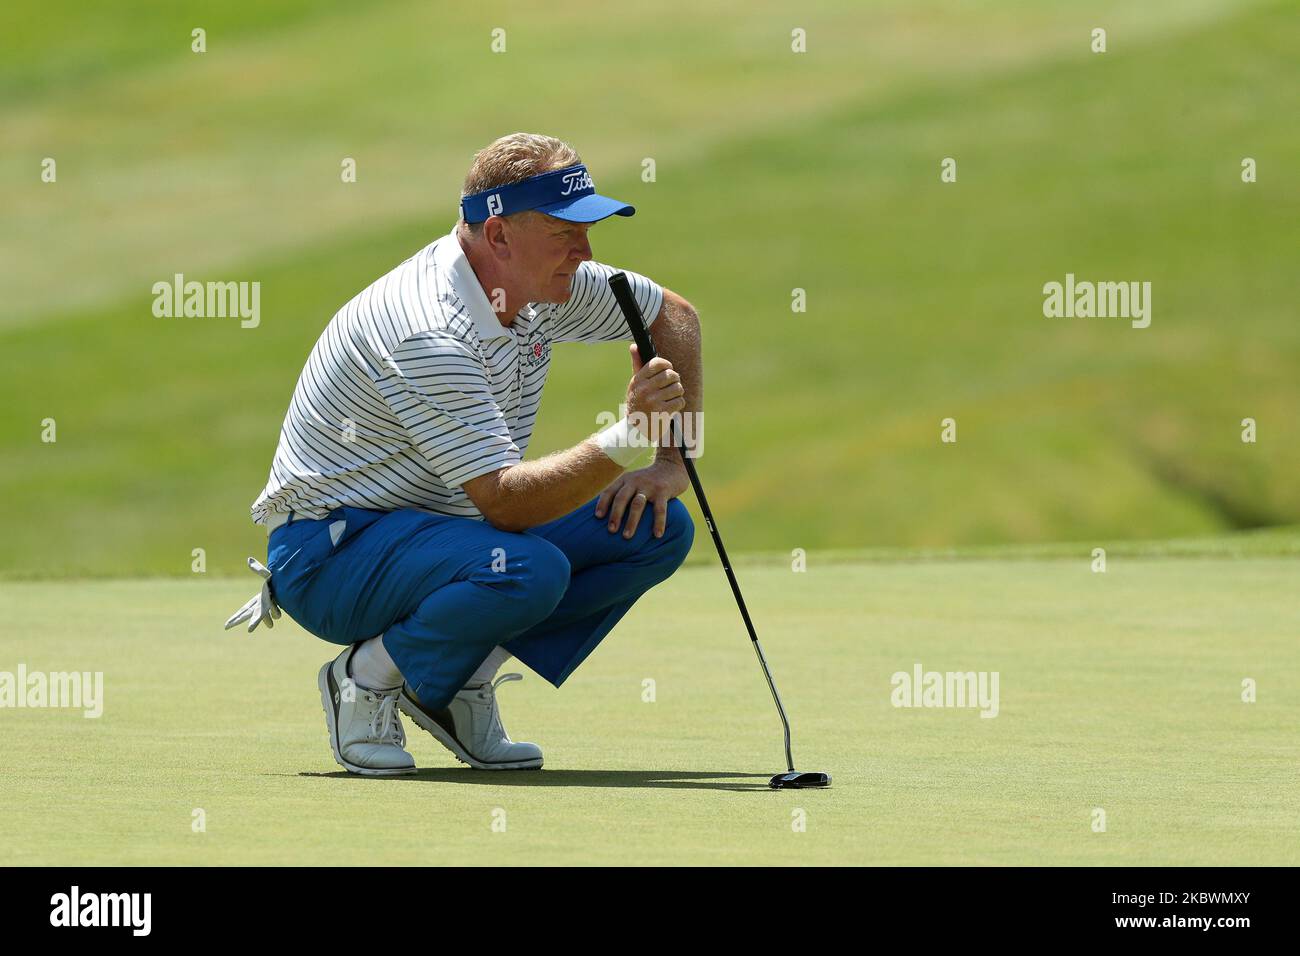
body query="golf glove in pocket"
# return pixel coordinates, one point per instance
(261, 607)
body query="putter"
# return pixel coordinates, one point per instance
(792, 779)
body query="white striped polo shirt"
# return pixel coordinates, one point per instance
(415, 387)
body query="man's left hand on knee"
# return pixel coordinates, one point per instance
(630, 493)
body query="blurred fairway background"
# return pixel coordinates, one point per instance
(775, 170)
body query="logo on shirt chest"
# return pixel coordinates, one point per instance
(537, 350)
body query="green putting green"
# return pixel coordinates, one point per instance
(1119, 691)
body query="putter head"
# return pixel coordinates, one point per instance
(800, 780)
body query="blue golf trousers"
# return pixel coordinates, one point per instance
(444, 591)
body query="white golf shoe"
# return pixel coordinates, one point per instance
(470, 727)
(365, 731)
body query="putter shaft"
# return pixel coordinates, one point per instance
(735, 590)
(622, 290)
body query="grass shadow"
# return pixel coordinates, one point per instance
(609, 779)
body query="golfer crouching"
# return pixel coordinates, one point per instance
(403, 521)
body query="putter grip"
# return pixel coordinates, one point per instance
(622, 290)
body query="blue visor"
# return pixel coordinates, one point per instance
(567, 194)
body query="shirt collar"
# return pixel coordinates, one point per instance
(466, 285)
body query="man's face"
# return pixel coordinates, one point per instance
(545, 253)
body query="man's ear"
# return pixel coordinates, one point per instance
(495, 236)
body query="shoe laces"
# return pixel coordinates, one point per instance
(385, 725)
(487, 693)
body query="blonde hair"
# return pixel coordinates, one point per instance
(512, 159)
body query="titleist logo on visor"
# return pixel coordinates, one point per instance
(578, 179)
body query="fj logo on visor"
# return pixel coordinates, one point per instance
(494, 204)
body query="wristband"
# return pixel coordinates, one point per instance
(619, 443)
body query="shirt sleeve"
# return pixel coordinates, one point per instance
(592, 314)
(439, 391)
